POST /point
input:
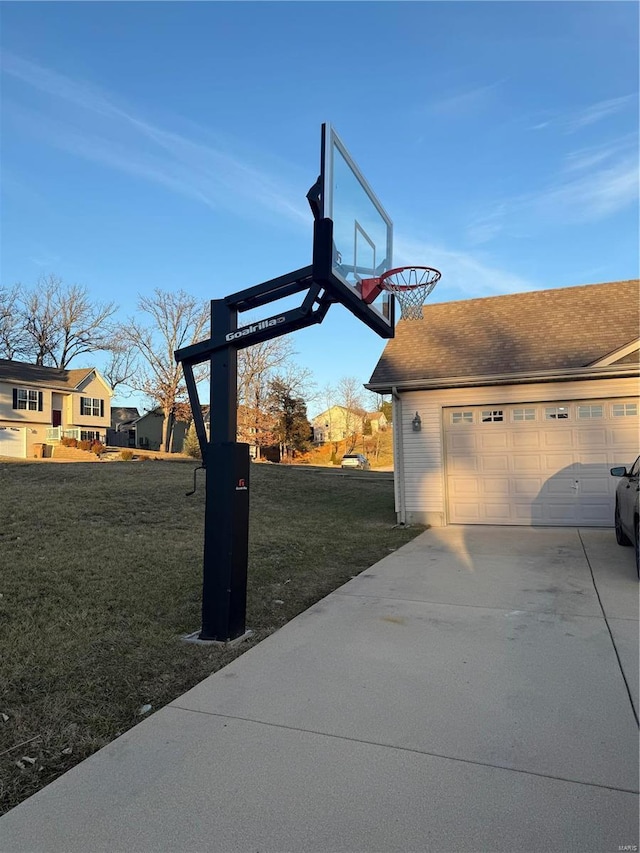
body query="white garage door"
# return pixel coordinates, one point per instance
(537, 463)
(13, 442)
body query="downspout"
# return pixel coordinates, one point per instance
(398, 453)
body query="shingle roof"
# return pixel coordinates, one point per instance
(50, 377)
(122, 414)
(540, 330)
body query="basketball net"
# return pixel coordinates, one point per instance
(410, 286)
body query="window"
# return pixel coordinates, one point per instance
(523, 414)
(24, 398)
(556, 413)
(492, 416)
(622, 410)
(596, 411)
(461, 417)
(92, 406)
(89, 435)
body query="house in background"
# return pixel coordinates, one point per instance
(336, 423)
(122, 432)
(511, 410)
(148, 429)
(41, 405)
(377, 421)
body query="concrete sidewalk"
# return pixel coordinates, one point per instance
(470, 692)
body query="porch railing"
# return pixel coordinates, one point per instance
(56, 433)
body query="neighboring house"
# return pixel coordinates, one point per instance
(122, 432)
(336, 423)
(148, 429)
(511, 409)
(377, 420)
(40, 405)
(246, 431)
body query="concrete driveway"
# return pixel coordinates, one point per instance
(474, 691)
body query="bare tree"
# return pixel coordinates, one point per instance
(327, 395)
(170, 321)
(256, 367)
(83, 324)
(122, 363)
(41, 327)
(62, 322)
(349, 395)
(13, 343)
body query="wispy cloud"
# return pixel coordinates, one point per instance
(466, 275)
(463, 103)
(102, 129)
(45, 259)
(597, 112)
(594, 195)
(592, 184)
(583, 159)
(572, 121)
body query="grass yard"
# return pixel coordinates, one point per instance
(100, 577)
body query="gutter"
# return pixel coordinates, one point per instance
(398, 457)
(604, 372)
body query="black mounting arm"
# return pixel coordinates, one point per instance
(313, 310)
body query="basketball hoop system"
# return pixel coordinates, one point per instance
(410, 286)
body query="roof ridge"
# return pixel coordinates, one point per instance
(538, 291)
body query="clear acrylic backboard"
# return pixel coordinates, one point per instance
(362, 231)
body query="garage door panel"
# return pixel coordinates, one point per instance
(493, 464)
(538, 471)
(562, 439)
(491, 440)
(497, 513)
(526, 464)
(591, 438)
(464, 464)
(626, 436)
(599, 459)
(597, 486)
(592, 513)
(527, 487)
(526, 514)
(560, 513)
(495, 487)
(461, 442)
(527, 439)
(465, 487)
(559, 486)
(467, 513)
(552, 462)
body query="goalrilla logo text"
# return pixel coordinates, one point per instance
(256, 327)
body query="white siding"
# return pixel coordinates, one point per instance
(422, 472)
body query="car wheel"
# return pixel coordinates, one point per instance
(621, 537)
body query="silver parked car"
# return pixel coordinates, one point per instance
(355, 460)
(626, 513)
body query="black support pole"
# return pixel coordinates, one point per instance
(226, 534)
(226, 521)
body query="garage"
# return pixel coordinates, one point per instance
(537, 463)
(13, 442)
(512, 409)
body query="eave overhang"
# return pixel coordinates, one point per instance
(565, 375)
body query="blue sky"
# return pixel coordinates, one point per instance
(171, 145)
